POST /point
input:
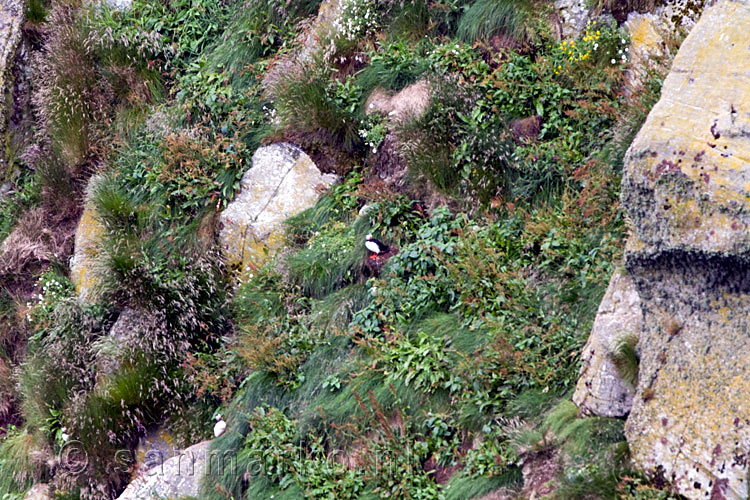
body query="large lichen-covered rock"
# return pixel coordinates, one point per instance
(686, 188)
(690, 420)
(178, 477)
(155, 448)
(601, 389)
(282, 182)
(648, 34)
(87, 247)
(686, 182)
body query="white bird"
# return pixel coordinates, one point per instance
(220, 426)
(64, 434)
(375, 246)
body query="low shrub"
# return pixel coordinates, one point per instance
(463, 148)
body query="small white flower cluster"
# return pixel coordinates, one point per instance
(374, 131)
(622, 53)
(52, 291)
(358, 18)
(270, 114)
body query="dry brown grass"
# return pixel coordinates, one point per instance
(8, 402)
(43, 235)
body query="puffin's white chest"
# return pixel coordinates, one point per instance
(372, 246)
(219, 428)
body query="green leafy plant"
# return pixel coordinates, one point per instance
(423, 362)
(53, 289)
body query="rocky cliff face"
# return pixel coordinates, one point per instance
(686, 188)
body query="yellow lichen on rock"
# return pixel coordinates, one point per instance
(87, 241)
(686, 190)
(282, 182)
(694, 143)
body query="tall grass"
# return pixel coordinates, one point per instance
(71, 97)
(21, 462)
(417, 19)
(305, 103)
(394, 67)
(257, 31)
(487, 18)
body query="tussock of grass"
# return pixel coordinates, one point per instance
(486, 18)
(335, 311)
(257, 30)
(626, 358)
(36, 11)
(417, 19)
(463, 487)
(398, 66)
(531, 404)
(18, 467)
(330, 260)
(304, 104)
(597, 451)
(445, 325)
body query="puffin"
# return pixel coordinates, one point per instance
(375, 246)
(220, 426)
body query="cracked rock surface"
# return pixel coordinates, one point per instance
(601, 390)
(282, 182)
